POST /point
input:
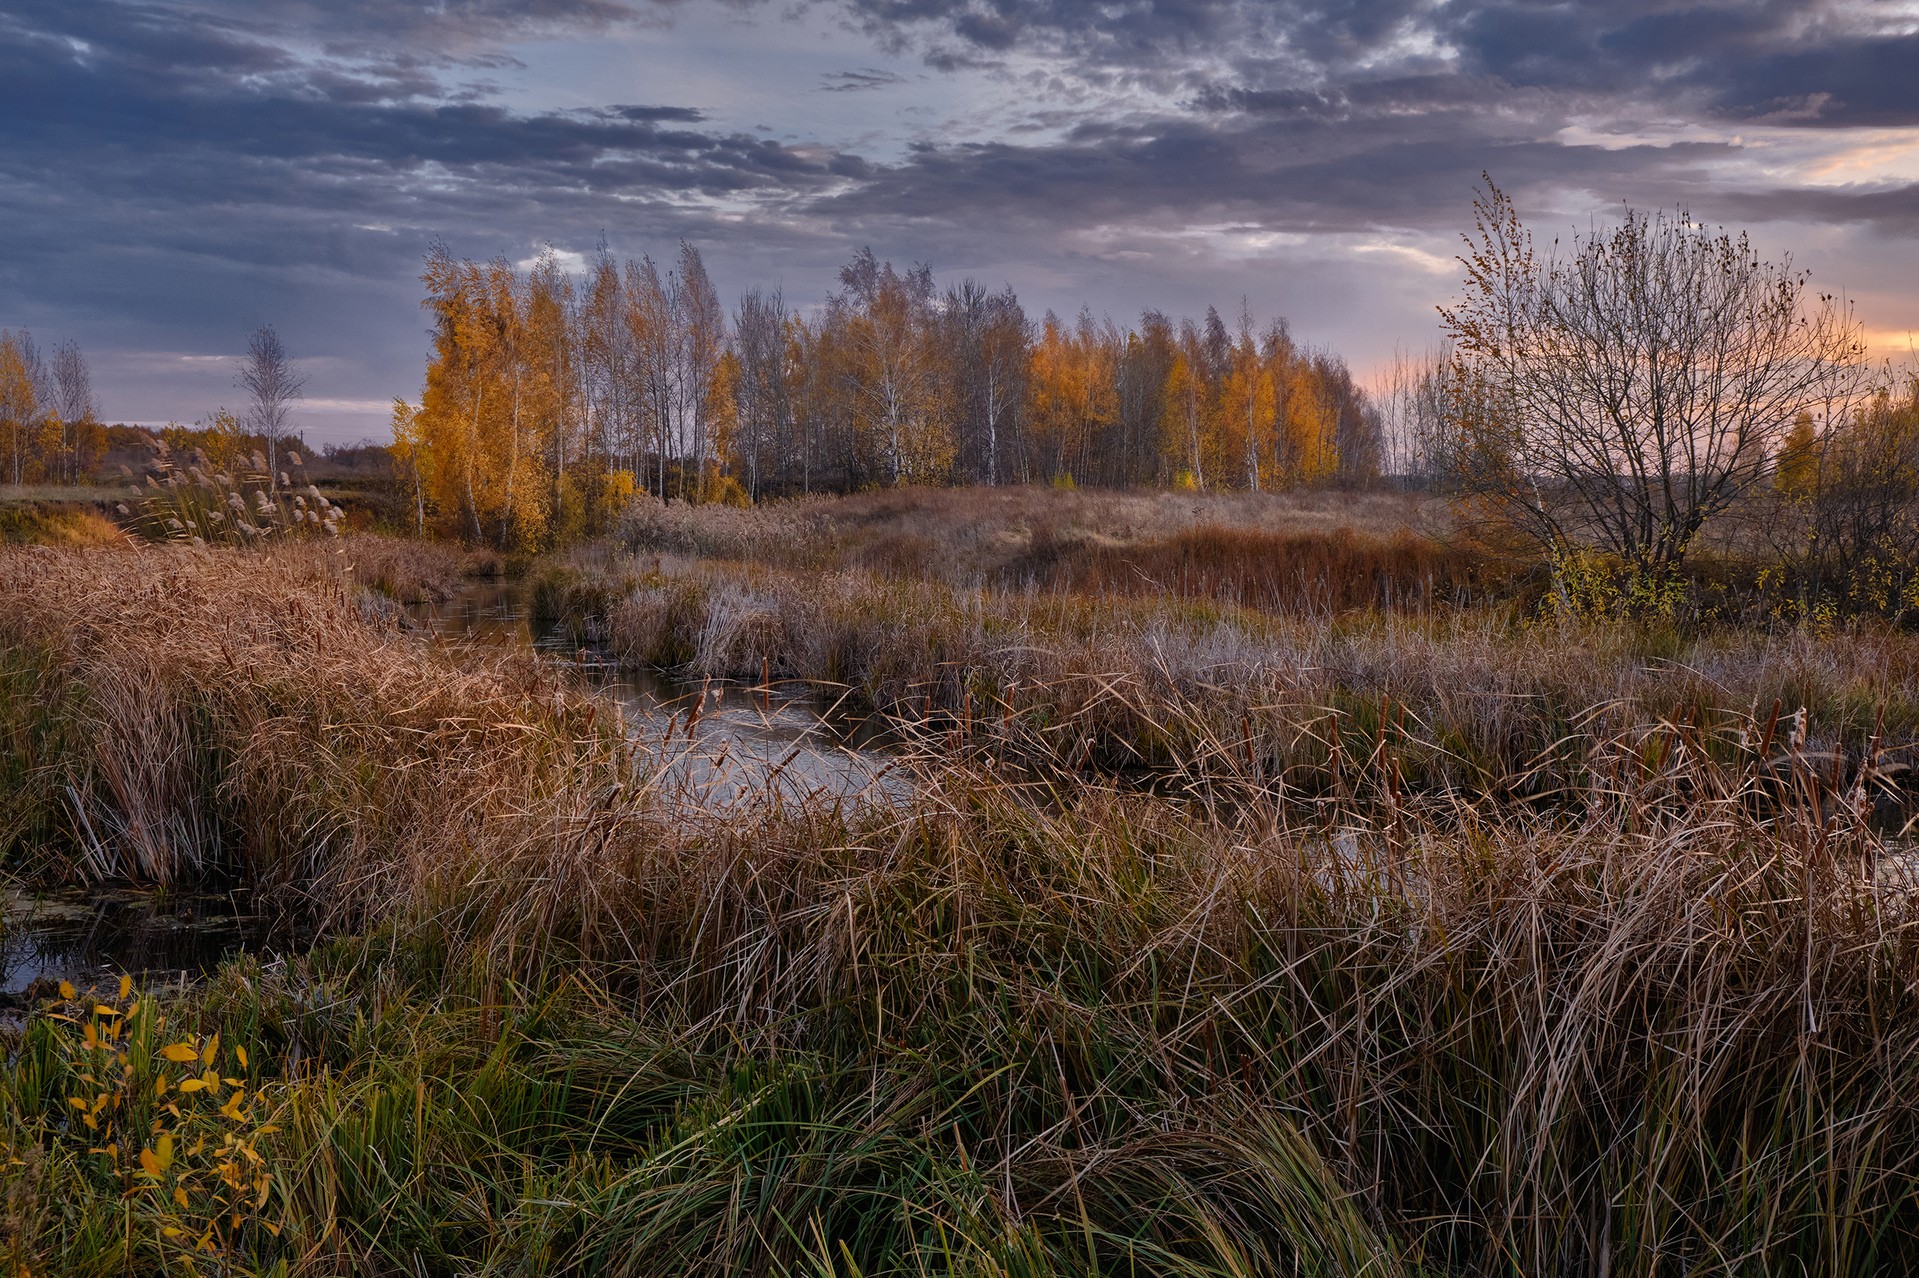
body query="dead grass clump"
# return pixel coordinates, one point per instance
(404, 569)
(232, 715)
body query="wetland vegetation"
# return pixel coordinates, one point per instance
(1252, 922)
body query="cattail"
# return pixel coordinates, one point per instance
(120, 507)
(293, 458)
(285, 481)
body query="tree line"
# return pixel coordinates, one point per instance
(551, 398)
(49, 426)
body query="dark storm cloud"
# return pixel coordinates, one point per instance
(1825, 62)
(1303, 172)
(185, 160)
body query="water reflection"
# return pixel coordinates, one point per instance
(90, 936)
(716, 745)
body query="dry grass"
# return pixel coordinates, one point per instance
(56, 523)
(236, 715)
(1482, 700)
(1016, 1027)
(968, 535)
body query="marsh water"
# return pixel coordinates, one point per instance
(716, 745)
(90, 936)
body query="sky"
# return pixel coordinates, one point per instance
(175, 174)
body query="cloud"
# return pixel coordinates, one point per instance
(174, 171)
(858, 81)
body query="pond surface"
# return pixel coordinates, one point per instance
(91, 936)
(718, 745)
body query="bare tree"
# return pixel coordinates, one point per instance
(268, 375)
(765, 401)
(1411, 395)
(702, 341)
(1625, 395)
(985, 336)
(71, 400)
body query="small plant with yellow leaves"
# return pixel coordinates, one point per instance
(175, 1120)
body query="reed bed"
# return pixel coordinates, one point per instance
(1016, 1026)
(1475, 701)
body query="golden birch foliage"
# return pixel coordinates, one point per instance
(723, 425)
(1245, 416)
(1180, 412)
(1797, 473)
(1071, 394)
(1312, 423)
(489, 404)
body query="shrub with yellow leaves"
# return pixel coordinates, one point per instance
(176, 1121)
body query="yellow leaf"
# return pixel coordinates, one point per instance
(212, 1079)
(163, 1150)
(76, 1102)
(172, 1231)
(241, 1053)
(180, 1196)
(213, 1045)
(271, 1228)
(193, 1085)
(180, 1053)
(67, 991)
(101, 1009)
(126, 987)
(149, 1163)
